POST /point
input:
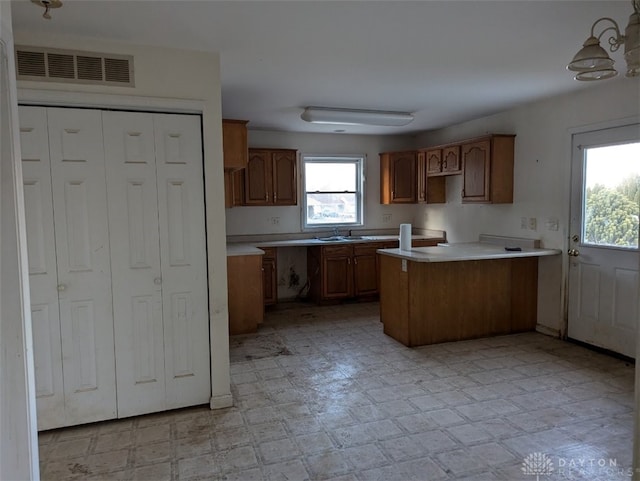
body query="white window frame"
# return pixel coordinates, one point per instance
(360, 161)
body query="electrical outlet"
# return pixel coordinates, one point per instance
(274, 220)
(386, 217)
(533, 223)
(553, 224)
(523, 223)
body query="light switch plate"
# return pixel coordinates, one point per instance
(404, 265)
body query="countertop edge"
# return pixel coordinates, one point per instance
(427, 254)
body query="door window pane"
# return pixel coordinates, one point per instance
(612, 195)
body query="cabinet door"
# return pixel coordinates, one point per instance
(422, 178)
(178, 147)
(476, 171)
(234, 142)
(365, 274)
(43, 275)
(451, 159)
(84, 271)
(284, 178)
(337, 272)
(269, 281)
(135, 262)
(257, 179)
(403, 177)
(237, 187)
(434, 161)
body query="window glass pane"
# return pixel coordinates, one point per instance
(332, 177)
(331, 209)
(612, 195)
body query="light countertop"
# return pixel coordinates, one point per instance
(465, 252)
(243, 250)
(253, 248)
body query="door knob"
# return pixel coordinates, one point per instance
(62, 287)
(157, 281)
(573, 252)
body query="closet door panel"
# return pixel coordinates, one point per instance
(43, 277)
(84, 273)
(183, 253)
(135, 261)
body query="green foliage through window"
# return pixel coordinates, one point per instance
(611, 213)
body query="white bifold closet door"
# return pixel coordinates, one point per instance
(116, 240)
(156, 219)
(69, 265)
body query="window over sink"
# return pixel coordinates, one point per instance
(333, 190)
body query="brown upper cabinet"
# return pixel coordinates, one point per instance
(443, 161)
(234, 144)
(488, 169)
(270, 177)
(398, 177)
(404, 180)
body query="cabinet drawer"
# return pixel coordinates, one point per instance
(368, 248)
(340, 250)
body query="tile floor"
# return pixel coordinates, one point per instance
(321, 393)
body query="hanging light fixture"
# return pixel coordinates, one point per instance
(593, 62)
(48, 4)
(335, 116)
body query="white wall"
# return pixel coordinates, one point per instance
(166, 80)
(541, 180)
(257, 220)
(18, 436)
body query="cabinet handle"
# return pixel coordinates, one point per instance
(275, 197)
(348, 260)
(266, 197)
(157, 281)
(62, 287)
(355, 260)
(444, 165)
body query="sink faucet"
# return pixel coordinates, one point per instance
(335, 231)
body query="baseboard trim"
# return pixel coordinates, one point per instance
(549, 331)
(221, 402)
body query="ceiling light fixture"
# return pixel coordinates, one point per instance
(326, 115)
(48, 4)
(592, 62)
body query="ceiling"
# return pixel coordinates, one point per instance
(445, 61)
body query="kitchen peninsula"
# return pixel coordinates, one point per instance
(460, 291)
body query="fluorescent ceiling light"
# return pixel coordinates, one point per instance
(325, 115)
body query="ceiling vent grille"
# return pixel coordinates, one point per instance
(54, 65)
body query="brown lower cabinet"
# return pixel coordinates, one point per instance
(432, 302)
(244, 280)
(346, 271)
(270, 275)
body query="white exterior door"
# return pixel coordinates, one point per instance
(183, 252)
(84, 272)
(43, 275)
(135, 261)
(603, 262)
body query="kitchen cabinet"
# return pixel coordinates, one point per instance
(404, 180)
(443, 161)
(349, 270)
(270, 177)
(234, 144)
(487, 170)
(398, 177)
(365, 269)
(430, 190)
(233, 188)
(245, 293)
(270, 275)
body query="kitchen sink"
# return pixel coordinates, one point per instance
(341, 238)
